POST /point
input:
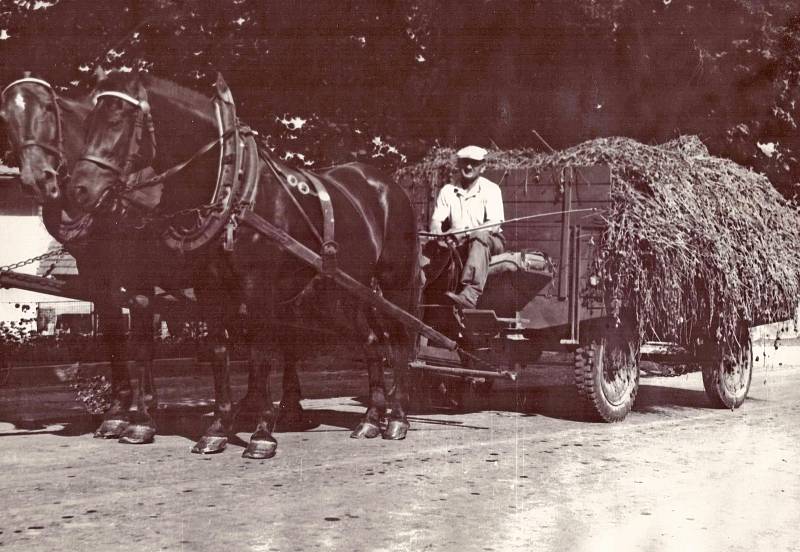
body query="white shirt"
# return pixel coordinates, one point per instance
(480, 204)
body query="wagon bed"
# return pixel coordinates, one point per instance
(513, 324)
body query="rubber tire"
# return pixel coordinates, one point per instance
(727, 380)
(605, 399)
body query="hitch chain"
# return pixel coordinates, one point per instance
(58, 252)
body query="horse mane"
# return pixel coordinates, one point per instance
(76, 106)
(185, 98)
(177, 95)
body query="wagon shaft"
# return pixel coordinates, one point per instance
(345, 280)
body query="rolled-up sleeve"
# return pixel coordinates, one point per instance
(441, 211)
(494, 205)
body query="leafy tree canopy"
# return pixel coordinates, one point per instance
(333, 80)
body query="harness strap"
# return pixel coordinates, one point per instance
(329, 246)
(102, 162)
(282, 180)
(25, 79)
(347, 282)
(159, 178)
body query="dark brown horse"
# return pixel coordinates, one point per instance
(46, 131)
(284, 305)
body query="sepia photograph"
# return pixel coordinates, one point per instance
(400, 276)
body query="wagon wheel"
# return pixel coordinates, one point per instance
(607, 373)
(727, 377)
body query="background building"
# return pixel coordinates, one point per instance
(22, 236)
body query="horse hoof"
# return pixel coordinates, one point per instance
(260, 449)
(366, 430)
(210, 444)
(396, 430)
(138, 434)
(111, 429)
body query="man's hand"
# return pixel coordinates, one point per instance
(449, 241)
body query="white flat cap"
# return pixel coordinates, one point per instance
(476, 153)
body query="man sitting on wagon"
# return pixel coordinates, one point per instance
(472, 202)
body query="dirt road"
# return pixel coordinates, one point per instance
(525, 474)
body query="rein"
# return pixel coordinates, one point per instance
(58, 149)
(159, 178)
(237, 179)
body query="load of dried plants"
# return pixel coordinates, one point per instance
(694, 244)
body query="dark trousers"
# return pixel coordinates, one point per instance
(480, 247)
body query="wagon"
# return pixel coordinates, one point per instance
(543, 294)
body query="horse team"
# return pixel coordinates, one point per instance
(116, 170)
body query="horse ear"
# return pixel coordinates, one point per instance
(222, 89)
(100, 74)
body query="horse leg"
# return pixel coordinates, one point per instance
(262, 444)
(370, 425)
(142, 428)
(291, 415)
(401, 348)
(150, 391)
(249, 405)
(116, 418)
(215, 438)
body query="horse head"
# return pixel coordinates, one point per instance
(113, 141)
(131, 110)
(32, 112)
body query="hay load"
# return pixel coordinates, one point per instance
(694, 244)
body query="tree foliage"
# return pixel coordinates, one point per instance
(338, 80)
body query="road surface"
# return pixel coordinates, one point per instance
(525, 474)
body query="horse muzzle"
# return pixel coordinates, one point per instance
(48, 186)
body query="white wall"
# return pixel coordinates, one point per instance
(21, 238)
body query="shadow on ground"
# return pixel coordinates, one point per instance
(190, 420)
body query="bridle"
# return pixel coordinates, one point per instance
(58, 149)
(144, 120)
(129, 180)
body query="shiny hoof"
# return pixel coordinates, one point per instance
(210, 444)
(396, 430)
(366, 430)
(111, 429)
(260, 449)
(138, 434)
